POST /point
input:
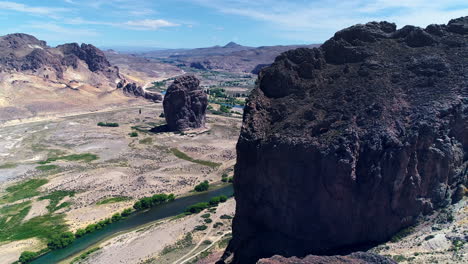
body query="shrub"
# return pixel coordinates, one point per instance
(105, 124)
(116, 217)
(27, 256)
(133, 134)
(201, 228)
(61, 241)
(196, 208)
(147, 202)
(208, 220)
(202, 186)
(80, 232)
(225, 179)
(225, 216)
(429, 237)
(214, 201)
(218, 224)
(162, 115)
(126, 212)
(206, 215)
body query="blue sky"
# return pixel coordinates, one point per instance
(201, 23)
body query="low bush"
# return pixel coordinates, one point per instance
(196, 208)
(61, 241)
(204, 186)
(201, 228)
(226, 217)
(208, 220)
(27, 256)
(133, 134)
(105, 124)
(206, 215)
(148, 202)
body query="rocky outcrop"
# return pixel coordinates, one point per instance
(344, 145)
(22, 52)
(132, 89)
(354, 258)
(185, 104)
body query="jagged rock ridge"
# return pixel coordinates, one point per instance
(344, 145)
(185, 104)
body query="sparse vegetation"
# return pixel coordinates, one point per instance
(146, 141)
(47, 167)
(183, 243)
(85, 157)
(116, 199)
(133, 134)
(184, 156)
(8, 166)
(105, 124)
(403, 233)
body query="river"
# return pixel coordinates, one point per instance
(176, 207)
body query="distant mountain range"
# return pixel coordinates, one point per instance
(231, 57)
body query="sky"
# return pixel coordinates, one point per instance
(203, 23)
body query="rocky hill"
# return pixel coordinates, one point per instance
(36, 79)
(231, 57)
(344, 145)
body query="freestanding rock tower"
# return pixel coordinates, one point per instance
(185, 104)
(344, 145)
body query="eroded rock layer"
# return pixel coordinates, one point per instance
(185, 104)
(355, 258)
(344, 145)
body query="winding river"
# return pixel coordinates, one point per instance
(156, 213)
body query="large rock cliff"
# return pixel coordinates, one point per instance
(185, 104)
(344, 145)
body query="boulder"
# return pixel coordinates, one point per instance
(344, 145)
(185, 104)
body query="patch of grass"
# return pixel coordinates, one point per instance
(23, 190)
(8, 166)
(146, 141)
(42, 227)
(182, 155)
(55, 198)
(85, 157)
(401, 258)
(85, 255)
(47, 167)
(116, 199)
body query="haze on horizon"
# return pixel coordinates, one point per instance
(203, 23)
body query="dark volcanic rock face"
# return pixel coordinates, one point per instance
(185, 104)
(132, 89)
(355, 258)
(344, 145)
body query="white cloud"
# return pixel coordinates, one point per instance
(316, 21)
(48, 11)
(146, 24)
(54, 28)
(149, 24)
